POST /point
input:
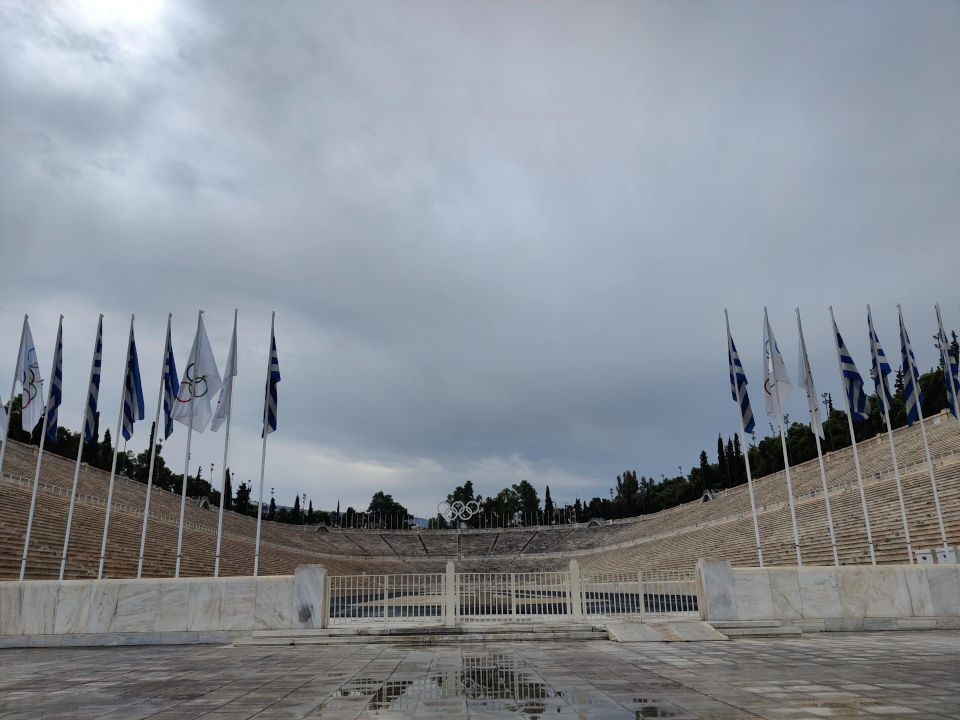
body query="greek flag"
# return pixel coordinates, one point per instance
(949, 368)
(270, 396)
(852, 381)
(171, 385)
(93, 390)
(738, 385)
(879, 369)
(911, 376)
(132, 389)
(56, 386)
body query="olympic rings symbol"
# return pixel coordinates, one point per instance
(192, 384)
(458, 510)
(30, 385)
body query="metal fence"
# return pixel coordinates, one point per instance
(508, 597)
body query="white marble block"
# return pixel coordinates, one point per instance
(136, 607)
(867, 591)
(38, 605)
(73, 599)
(274, 607)
(10, 608)
(819, 595)
(173, 605)
(944, 585)
(309, 586)
(785, 593)
(751, 591)
(918, 590)
(239, 601)
(205, 604)
(715, 589)
(102, 605)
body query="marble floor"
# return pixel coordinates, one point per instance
(836, 675)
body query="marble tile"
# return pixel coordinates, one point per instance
(38, 606)
(819, 596)
(309, 585)
(785, 593)
(239, 603)
(102, 605)
(205, 604)
(10, 608)
(944, 585)
(751, 591)
(136, 607)
(715, 587)
(173, 603)
(274, 608)
(73, 599)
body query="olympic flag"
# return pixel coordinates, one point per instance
(200, 381)
(776, 382)
(28, 371)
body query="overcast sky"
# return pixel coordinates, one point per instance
(498, 236)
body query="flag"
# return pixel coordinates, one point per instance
(949, 368)
(806, 382)
(171, 385)
(56, 386)
(93, 389)
(879, 368)
(31, 384)
(852, 381)
(200, 381)
(270, 396)
(911, 376)
(776, 382)
(738, 385)
(229, 372)
(132, 389)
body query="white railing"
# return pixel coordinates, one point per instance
(509, 597)
(660, 593)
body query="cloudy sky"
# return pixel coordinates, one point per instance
(499, 236)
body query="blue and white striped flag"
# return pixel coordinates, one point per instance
(132, 389)
(738, 384)
(852, 380)
(270, 395)
(879, 369)
(56, 386)
(93, 389)
(949, 368)
(911, 376)
(171, 385)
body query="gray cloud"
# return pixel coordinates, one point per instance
(499, 236)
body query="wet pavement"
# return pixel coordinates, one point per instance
(838, 675)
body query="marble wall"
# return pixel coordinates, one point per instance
(828, 593)
(185, 605)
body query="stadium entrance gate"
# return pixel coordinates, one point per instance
(452, 598)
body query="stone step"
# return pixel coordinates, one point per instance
(721, 624)
(762, 632)
(424, 638)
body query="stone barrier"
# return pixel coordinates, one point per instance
(850, 597)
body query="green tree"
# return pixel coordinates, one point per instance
(529, 502)
(227, 492)
(385, 505)
(295, 513)
(242, 501)
(548, 507)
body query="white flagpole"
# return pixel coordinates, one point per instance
(13, 387)
(263, 452)
(43, 439)
(76, 467)
(186, 460)
(946, 364)
(746, 458)
(853, 444)
(786, 460)
(153, 448)
(226, 446)
(885, 411)
(116, 448)
(926, 447)
(816, 437)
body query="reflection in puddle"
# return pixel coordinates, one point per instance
(494, 683)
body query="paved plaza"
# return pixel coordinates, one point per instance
(838, 675)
